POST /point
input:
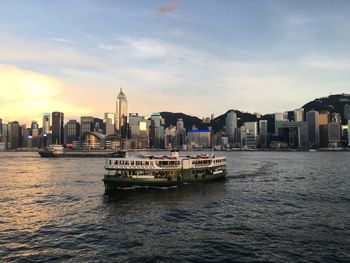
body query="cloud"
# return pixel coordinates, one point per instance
(15, 49)
(63, 40)
(328, 63)
(25, 95)
(168, 8)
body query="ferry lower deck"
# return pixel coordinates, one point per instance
(129, 178)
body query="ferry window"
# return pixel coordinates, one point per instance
(147, 163)
(132, 162)
(151, 162)
(127, 162)
(110, 161)
(116, 162)
(137, 163)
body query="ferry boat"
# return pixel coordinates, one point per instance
(161, 171)
(54, 150)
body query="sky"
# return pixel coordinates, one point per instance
(195, 56)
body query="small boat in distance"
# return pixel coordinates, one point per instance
(161, 171)
(58, 151)
(54, 150)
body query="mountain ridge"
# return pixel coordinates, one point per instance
(332, 103)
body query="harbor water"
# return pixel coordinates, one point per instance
(273, 207)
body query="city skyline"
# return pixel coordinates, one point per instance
(193, 57)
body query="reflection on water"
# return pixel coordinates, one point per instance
(272, 207)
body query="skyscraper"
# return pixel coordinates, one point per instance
(312, 119)
(324, 119)
(98, 125)
(336, 117)
(46, 123)
(1, 135)
(231, 126)
(280, 118)
(13, 135)
(109, 122)
(346, 111)
(334, 131)
(34, 125)
(263, 133)
(57, 127)
(157, 131)
(180, 133)
(251, 134)
(71, 131)
(86, 125)
(349, 132)
(121, 111)
(299, 114)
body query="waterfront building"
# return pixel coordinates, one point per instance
(156, 131)
(86, 125)
(4, 133)
(57, 127)
(312, 119)
(121, 111)
(324, 119)
(334, 131)
(263, 133)
(1, 133)
(224, 141)
(299, 114)
(280, 118)
(71, 131)
(243, 135)
(13, 135)
(93, 141)
(33, 135)
(231, 126)
(198, 139)
(34, 125)
(138, 131)
(346, 111)
(99, 126)
(109, 123)
(170, 137)
(46, 123)
(251, 134)
(295, 134)
(27, 137)
(180, 133)
(336, 117)
(349, 132)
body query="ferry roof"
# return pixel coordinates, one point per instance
(168, 157)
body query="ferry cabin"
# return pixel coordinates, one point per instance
(178, 169)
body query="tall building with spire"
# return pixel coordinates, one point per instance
(121, 111)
